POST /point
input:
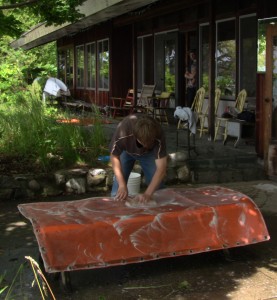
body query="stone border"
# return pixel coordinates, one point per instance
(81, 180)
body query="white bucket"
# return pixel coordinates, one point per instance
(133, 184)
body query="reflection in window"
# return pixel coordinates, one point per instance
(91, 65)
(80, 66)
(144, 60)
(170, 58)
(65, 66)
(226, 57)
(248, 54)
(165, 61)
(103, 64)
(261, 47)
(62, 64)
(204, 56)
(69, 68)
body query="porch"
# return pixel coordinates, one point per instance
(212, 162)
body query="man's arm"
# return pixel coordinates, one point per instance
(122, 192)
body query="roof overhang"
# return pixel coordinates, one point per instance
(95, 11)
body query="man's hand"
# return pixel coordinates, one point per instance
(142, 198)
(122, 193)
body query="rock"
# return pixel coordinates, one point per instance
(171, 175)
(51, 190)
(76, 185)
(178, 156)
(96, 177)
(6, 194)
(60, 177)
(34, 185)
(183, 174)
(7, 182)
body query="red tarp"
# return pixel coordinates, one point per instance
(100, 232)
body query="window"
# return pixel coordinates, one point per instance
(80, 66)
(103, 64)
(69, 67)
(65, 66)
(248, 54)
(165, 61)
(204, 56)
(144, 60)
(91, 66)
(226, 57)
(62, 64)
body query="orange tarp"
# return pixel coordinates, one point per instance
(100, 232)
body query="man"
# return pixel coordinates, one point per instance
(138, 138)
(191, 76)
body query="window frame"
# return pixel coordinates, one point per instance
(101, 80)
(91, 76)
(80, 70)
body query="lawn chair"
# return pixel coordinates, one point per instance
(189, 122)
(145, 98)
(204, 118)
(223, 122)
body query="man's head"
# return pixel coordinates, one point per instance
(192, 55)
(146, 131)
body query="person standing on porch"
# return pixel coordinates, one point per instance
(138, 138)
(191, 78)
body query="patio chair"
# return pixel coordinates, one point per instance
(123, 106)
(145, 98)
(159, 106)
(189, 123)
(204, 117)
(223, 122)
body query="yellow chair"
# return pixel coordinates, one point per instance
(223, 122)
(204, 118)
(196, 108)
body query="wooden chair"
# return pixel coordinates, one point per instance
(123, 106)
(204, 117)
(145, 98)
(223, 122)
(159, 106)
(196, 109)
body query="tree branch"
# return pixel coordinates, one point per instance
(17, 5)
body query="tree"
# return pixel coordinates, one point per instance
(52, 12)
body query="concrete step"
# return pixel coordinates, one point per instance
(226, 169)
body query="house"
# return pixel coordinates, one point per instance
(121, 44)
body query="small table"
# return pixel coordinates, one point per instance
(234, 129)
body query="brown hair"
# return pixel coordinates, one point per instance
(147, 130)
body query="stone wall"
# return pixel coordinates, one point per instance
(81, 180)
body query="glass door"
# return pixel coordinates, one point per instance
(166, 68)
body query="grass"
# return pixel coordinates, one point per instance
(29, 130)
